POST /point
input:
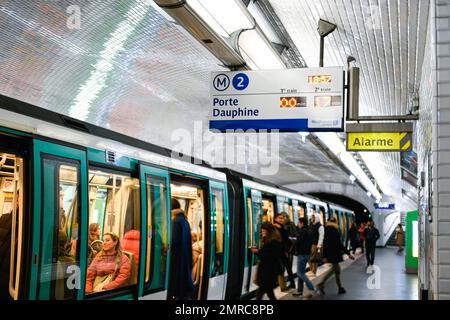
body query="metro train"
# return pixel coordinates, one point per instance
(60, 176)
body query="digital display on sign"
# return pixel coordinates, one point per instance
(327, 101)
(323, 79)
(293, 102)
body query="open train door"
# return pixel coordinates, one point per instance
(155, 228)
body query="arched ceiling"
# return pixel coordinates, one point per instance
(131, 69)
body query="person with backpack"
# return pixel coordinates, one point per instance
(371, 234)
(303, 252)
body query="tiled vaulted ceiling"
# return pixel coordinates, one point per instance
(128, 68)
(131, 69)
(386, 37)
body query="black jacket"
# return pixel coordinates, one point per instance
(285, 241)
(269, 264)
(304, 242)
(353, 235)
(332, 245)
(180, 277)
(371, 235)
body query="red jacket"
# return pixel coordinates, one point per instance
(105, 265)
(131, 243)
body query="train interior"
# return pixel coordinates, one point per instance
(114, 207)
(11, 221)
(192, 200)
(268, 209)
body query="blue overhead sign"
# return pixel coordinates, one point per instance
(385, 206)
(294, 100)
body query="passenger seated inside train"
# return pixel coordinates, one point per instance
(94, 244)
(110, 269)
(131, 243)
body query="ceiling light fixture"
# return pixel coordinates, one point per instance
(225, 16)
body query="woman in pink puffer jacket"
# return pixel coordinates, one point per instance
(110, 260)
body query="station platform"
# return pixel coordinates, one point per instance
(395, 283)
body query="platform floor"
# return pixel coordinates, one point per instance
(394, 283)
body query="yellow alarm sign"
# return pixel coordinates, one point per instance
(379, 141)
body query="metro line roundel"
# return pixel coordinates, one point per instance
(241, 81)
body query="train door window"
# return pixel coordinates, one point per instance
(268, 210)
(295, 212)
(192, 201)
(60, 228)
(11, 223)
(114, 231)
(322, 215)
(158, 239)
(218, 229)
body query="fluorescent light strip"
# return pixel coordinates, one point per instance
(223, 16)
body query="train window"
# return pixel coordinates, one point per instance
(157, 240)
(60, 245)
(268, 210)
(218, 227)
(114, 217)
(11, 221)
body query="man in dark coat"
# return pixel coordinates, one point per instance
(5, 254)
(333, 249)
(286, 243)
(181, 286)
(371, 234)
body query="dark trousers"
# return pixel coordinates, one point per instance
(261, 291)
(370, 254)
(336, 270)
(287, 263)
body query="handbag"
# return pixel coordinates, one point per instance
(101, 281)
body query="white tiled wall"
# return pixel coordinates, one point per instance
(435, 123)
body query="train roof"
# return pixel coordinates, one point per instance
(274, 188)
(36, 120)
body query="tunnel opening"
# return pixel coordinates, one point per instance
(362, 213)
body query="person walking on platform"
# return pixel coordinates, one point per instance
(371, 234)
(280, 221)
(361, 236)
(354, 238)
(399, 237)
(317, 236)
(303, 251)
(333, 249)
(269, 261)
